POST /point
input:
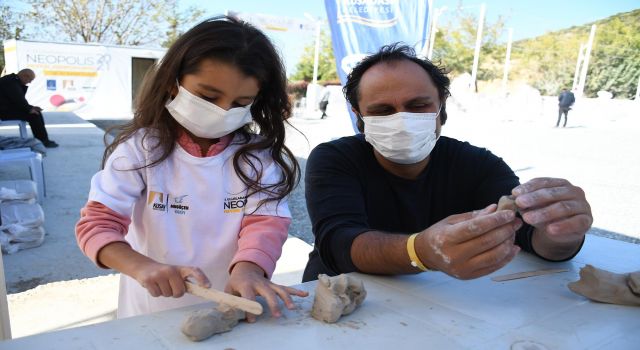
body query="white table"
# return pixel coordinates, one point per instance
(430, 310)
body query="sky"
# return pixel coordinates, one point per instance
(527, 18)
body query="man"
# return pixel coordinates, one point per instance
(14, 106)
(324, 102)
(400, 199)
(565, 101)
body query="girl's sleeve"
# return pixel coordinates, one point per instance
(120, 184)
(260, 241)
(99, 226)
(114, 191)
(264, 227)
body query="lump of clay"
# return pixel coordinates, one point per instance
(607, 287)
(336, 296)
(507, 203)
(201, 324)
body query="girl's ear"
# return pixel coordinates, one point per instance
(173, 91)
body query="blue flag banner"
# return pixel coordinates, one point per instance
(360, 27)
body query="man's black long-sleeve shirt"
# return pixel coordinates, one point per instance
(349, 193)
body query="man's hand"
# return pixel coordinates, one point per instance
(247, 280)
(470, 245)
(559, 212)
(35, 110)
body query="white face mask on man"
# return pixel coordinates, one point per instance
(205, 119)
(403, 138)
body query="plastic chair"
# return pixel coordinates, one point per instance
(22, 125)
(24, 156)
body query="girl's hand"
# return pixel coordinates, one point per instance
(168, 280)
(247, 280)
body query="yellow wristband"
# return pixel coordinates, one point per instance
(413, 256)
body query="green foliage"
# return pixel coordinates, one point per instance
(176, 21)
(455, 43)
(326, 61)
(548, 62)
(11, 27)
(120, 22)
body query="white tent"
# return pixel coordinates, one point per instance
(94, 81)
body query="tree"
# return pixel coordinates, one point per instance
(11, 27)
(177, 20)
(615, 60)
(326, 61)
(455, 43)
(120, 22)
(548, 62)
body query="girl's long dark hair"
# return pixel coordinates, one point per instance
(238, 43)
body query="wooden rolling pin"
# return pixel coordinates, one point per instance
(224, 298)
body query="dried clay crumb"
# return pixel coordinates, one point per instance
(202, 324)
(507, 203)
(337, 296)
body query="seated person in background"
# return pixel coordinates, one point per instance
(14, 105)
(401, 199)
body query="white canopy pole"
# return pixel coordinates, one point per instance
(476, 55)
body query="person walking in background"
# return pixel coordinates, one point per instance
(324, 101)
(14, 105)
(565, 101)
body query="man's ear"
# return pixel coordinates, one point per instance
(359, 121)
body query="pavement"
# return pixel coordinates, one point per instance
(54, 286)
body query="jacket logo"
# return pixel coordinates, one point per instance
(160, 201)
(234, 204)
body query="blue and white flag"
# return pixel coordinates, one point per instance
(360, 27)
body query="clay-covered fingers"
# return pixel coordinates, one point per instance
(556, 211)
(501, 235)
(246, 292)
(161, 280)
(492, 260)
(546, 196)
(272, 292)
(568, 229)
(152, 288)
(458, 218)
(538, 184)
(194, 274)
(479, 225)
(285, 294)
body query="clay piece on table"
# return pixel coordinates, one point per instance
(337, 296)
(202, 324)
(507, 203)
(607, 287)
(634, 282)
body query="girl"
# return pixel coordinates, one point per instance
(196, 193)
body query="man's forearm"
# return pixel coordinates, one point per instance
(552, 250)
(382, 253)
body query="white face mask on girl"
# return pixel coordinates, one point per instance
(205, 119)
(403, 138)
